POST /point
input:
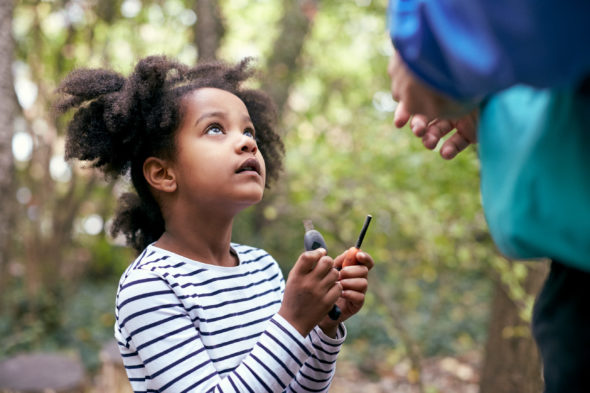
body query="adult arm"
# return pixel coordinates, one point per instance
(467, 49)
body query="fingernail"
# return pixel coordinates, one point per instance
(448, 153)
(417, 123)
(430, 141)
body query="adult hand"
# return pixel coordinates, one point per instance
(432, 115)
(417, 97)
(432, 131)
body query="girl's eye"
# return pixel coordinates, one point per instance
(250, 132)
(214, 130)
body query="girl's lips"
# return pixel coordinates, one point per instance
(251, 164)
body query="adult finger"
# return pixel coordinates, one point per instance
(453, 146)
(435, 131)
(418, 124)
(401, 115)
(467, 126)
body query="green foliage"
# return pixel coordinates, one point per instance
(345, 159)
(54, 322)
(106, 261)
(89, 320)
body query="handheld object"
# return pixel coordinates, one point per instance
(350, 258)
(312, 240)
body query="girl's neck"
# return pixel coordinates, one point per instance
(204, 241)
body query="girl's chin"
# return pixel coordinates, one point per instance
(252, 200)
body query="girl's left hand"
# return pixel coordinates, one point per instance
(354, 282)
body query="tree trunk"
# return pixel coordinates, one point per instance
(512, 362)
(209, 29)
(282, 65)
(295, 23)
(7, 108)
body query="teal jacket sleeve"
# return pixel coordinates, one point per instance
(471, 48)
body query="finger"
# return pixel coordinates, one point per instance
(330, 278)
(401, 115)
(355, 271)
(391, 65)
(308, 260)
(453, 146)
(365, 259)
(355, 284)
(339, 260)
(435, 131)
(355, 297)
(324, 266)
(418, 125)
(394, 69)
(334, 293)
(467, 126)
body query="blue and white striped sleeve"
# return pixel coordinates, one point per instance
(317, 372)
(172, 357)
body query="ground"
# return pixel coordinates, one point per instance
(439, 375)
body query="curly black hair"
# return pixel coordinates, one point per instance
(119, 122)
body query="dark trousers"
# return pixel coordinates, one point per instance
(561, 328)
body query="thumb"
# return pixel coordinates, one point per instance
(308, 260)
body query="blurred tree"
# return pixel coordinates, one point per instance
(7, 111)
(209, 29)
(282, 69)
(325, 65)
(282, 66)
(49, 252)
(512, 362)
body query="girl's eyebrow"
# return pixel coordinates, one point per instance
(209, 114)
(245, 118)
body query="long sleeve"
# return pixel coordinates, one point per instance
(317, 372)
(187, 327)
(471, 48)
(174, 357)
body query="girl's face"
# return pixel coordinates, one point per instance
(218, 162)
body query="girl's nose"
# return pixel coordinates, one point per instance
(248, 144)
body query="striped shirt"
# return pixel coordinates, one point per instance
(187, 326)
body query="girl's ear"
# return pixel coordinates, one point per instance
(159, 174)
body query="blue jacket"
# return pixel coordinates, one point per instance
(471, 48)
(533, 140)
(535, 176)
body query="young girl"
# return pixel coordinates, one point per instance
(196, 312)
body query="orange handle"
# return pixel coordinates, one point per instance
(350, 257)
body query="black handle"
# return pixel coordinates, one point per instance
(313, 240)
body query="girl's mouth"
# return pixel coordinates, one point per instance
(250, 164)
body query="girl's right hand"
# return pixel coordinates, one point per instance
(312, 289)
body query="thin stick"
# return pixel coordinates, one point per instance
(363, 231)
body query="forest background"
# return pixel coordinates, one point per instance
(445, 312)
